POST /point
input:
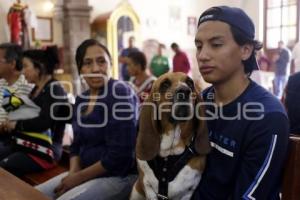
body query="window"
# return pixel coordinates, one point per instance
(282, 22)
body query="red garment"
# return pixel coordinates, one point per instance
(181, 63)
(43, 163)
(143, 89)
(15, 27)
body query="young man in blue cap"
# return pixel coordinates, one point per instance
(248, 127)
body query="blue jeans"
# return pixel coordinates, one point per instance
(280, 82)
(106, 188)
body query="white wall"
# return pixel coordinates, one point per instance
(253, 9)
(4, 33)
(154, 16)
(155, 21)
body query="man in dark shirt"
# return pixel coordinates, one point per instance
(248, 127)
(122, 58)
(282, 70)
(292, 99)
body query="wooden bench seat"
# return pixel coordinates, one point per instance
(291, 178)
(12, 188)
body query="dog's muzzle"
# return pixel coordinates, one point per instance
(182, 104)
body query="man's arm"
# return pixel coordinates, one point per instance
(293, 66)
(167, 66)
(259, 175)
(74, 164)
(187, 67)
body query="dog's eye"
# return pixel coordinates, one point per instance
(164, 86)
(190, 83)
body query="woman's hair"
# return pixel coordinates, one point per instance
(44, 60)
(138, 58)
(81, 50)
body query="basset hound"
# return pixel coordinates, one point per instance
(172, 142)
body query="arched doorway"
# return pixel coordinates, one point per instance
(115, 27)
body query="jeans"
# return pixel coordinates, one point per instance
(104, 188)
(280, 82)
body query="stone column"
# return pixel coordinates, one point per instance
(76, 28)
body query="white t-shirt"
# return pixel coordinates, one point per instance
(296, 56)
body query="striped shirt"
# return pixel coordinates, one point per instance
(20, 87)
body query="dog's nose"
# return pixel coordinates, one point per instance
(183, 94)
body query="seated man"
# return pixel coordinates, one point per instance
(11, 79)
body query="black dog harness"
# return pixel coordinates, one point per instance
(167, 168)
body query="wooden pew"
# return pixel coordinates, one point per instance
(291, 179)
(12, 188)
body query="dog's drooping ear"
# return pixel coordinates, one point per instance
(148, 141)
(202, 144)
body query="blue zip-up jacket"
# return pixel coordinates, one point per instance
(248, 150)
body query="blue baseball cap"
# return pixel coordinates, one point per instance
(235, 17)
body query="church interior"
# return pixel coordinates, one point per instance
(65, 24)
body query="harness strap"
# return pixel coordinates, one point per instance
(188, 153)
(163, 181)
(166, 169)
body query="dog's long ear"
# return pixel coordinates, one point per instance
(202, 144)
(148, 141)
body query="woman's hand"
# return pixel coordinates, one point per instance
(7, 126)
(70, 181)
(76, 178)
(11, 125)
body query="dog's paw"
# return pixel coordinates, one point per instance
(135, 195)
(184, 183)
(149, 180)
(151, 187)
